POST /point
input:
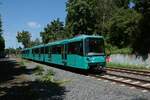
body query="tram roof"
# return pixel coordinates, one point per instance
(80, 37)
(76, 38)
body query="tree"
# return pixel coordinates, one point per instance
(143, 39)
(53, 31)
(57, 29)
(25, 38)
(2, 41)
(35, 42)
(123, 27)
(81, 17)
(2, 44)
(122, 3)
(1, 26)
(104, 10)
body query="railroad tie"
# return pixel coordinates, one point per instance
(127, 80)
(119, 79)
(113, 77)
(137, 82)
(148, 84)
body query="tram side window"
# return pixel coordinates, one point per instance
(37, 51)
(26, 51)
(53, 49)
(46, 50)
(59, 49)
(42, 50)
(33, 51)
(22, 52)
(75, 48)
(56, 50)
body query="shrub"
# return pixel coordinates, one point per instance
(115, 50)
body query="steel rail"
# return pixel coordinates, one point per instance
(122, 82)
(126, 71)
(127, 77)
(135, 70)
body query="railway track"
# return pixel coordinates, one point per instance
(131, 81)
(134, 82)
(130, 71)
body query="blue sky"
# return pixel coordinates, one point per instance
(30, 15)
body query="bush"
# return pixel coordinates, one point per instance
(121, 51)
(115, 50)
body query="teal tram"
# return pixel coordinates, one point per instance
(85, 52)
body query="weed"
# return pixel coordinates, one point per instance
(39, 70)
(21, 63)
(48, 77)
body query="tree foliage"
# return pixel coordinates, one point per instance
(2, 44)
(143, 38)
(123, 27)
(81, 17)
(53, 31)
(35, 42)
(1, 26)
(104, 11)
(2, 41)
(122, 3)
(25, 38)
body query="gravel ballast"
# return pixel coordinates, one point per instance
(80, 87)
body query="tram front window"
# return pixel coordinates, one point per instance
(94, 46)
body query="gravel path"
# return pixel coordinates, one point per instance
(87, 88)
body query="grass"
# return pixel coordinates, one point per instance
(44, 76)
(22, 64)
(117, 65)
(39, 70)
(48, 77)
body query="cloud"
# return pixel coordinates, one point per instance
(33, 24)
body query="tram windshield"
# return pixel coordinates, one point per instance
(94, 46)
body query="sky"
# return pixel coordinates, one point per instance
(29, 15)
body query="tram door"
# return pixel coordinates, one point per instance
(64, 54)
